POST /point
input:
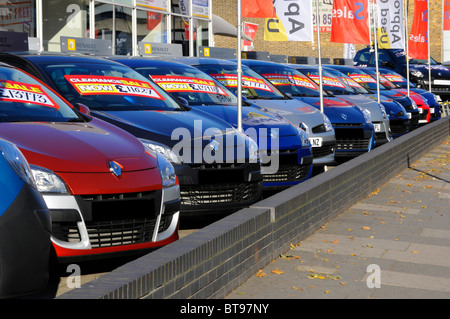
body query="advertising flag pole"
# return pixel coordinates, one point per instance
(320, 56)
(375, 36)
(239, 67)
(429, 44)
(406, 44)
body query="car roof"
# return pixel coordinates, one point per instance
(135, 61)
(199, 61)
(55, 57)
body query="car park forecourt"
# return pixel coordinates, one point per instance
(24, 227)
(284, 149)
(399, 118)
(107, 193)
(262, 93)
(394, 59)
(217, 167)
(379, 118)
(343, 115)
(402, 84)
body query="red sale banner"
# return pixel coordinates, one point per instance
(418, 38)
(250, 30)
(446, 15)
(350, 22)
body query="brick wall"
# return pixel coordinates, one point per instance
(227, 9)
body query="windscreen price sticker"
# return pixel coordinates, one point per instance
(285, 79)
(96, 84)
(11, 91)
(230, 80)
(186, 84)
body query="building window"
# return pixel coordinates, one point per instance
(63, 18)
(18, 16)
(151, 26)
(114, 23)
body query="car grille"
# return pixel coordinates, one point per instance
(352, 144)
(322, 151)
(217, 194)
(288, 173)
(112, 233)
(112, 219)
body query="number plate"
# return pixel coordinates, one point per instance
(316, 141)
(377, 127)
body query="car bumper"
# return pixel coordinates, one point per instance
(218, 188)
(24, 245)
(98, 226)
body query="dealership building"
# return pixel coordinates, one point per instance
(176, 27)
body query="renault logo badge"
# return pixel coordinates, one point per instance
(115, 168)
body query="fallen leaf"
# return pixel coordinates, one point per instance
(277, 271)
(415, 252)
(260, 273)
(366, 227)
(335, 242)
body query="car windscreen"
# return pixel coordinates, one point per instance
(329, 81)
(197, 87)
(24, 99)
(348, 81)
(288, 80)
(397, 79)
(365, 80)
(254, 86)
(106, 87)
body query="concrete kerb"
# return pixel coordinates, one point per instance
(217, 259)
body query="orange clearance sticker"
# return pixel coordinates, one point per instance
(230, 80)
(286, 79)
(97, 84)
(12, 91)
(186, 84)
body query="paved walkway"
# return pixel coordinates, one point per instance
(393, 244)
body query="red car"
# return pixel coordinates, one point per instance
(107, 193)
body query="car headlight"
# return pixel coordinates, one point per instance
(327, 123)
(383, 110)
(163, 150)
(304, 138)
(167, 172)
(17, 161)
(47, 181)
(253, 150)
(416, 73)
(413, 104)
(367, 115)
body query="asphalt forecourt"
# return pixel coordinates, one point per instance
(215, 260)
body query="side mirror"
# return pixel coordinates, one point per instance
(83, 109)
(183, 102)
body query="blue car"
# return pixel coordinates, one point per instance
(24, 227)
(402, 83)
(263, 94)
(217, 167)
(345, 117)
(368, 82)
(399, 118)
(274, 134)
(378, 116)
